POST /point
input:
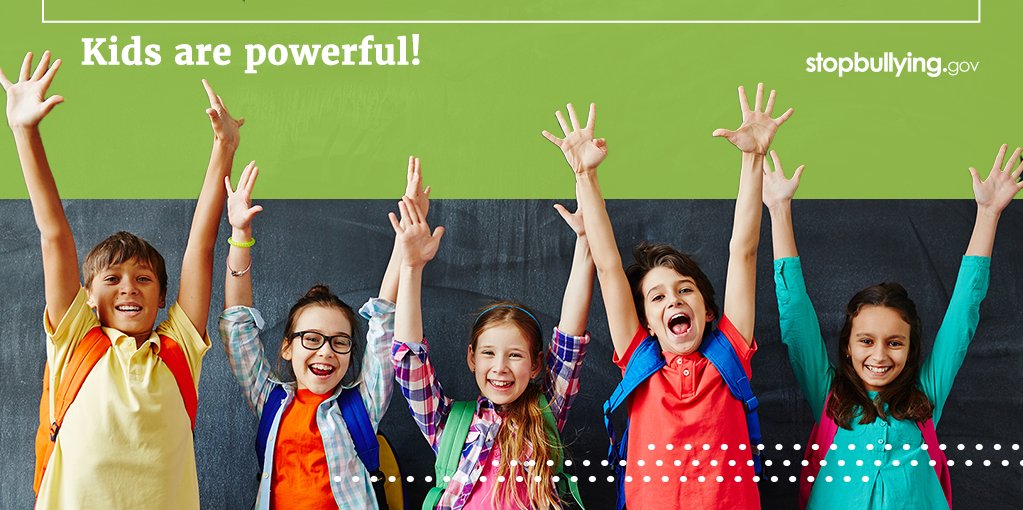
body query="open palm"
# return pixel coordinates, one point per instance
(27, 103)
(581, 150)
(758, 128)
(1002, 184)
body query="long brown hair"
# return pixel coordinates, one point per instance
(524, 432)
(320, 295)
(902, 397)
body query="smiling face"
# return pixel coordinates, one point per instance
(879, 344)
(127, 297)
(674, 310)
(320, 370)
(503, 363)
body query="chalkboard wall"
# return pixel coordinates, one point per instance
(521, 250)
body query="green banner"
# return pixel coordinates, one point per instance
(892, 99)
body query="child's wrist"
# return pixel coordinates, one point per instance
(241, 235)
(988, 212)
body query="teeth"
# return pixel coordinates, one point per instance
(501, 384)
(878, 370)
(322, 366)
(128, 308)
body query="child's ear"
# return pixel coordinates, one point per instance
(90, 302)
(536, 369)
(470, 359)
(286, 350)
(710, 317)
(163, 301)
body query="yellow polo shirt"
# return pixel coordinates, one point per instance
(126, 440)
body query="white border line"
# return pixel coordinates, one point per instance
(511, 22)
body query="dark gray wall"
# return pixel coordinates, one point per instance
(521, 250)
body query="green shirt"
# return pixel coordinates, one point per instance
(880, 464)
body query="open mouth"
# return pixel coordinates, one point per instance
(501, 385)
(321, 369)
(128, 308)
(679, 324)
(877, 370)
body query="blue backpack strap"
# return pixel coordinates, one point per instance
(266, 420)
(645, 361)
(353, 410)
(722, 355)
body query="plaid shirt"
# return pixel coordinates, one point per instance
(239, 330)
(430, 407)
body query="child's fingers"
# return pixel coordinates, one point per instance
(212, 112)
(251, 183)
(561, 122)
(726, 133)
(426, 192)
(759, 98)
(743, 102)
(404, 211)
(997, 166)
(44, 64)
(591, 119)
(785, 116)
(47, 77)
(413, 211)
(553, 139)
(26, 66)
(601, 144)
(212, 96)
(1019, 170)
(974, 176)
(572, 117)
(438, 233)
(254, 210)
(51, 102)
(4, 81)
(240, 122)
(798, 174)
(227, 185)
(766, 167)
(777, 162)
(565, 215)
(394, 223)
(769, 109)
(408, 171)
(1012, 160)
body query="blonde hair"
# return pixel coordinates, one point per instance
(524, 432)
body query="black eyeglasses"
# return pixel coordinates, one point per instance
(341, 344)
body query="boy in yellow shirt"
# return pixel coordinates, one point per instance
(126, 439)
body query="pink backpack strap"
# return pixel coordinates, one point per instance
(938, 456)
(823, 436)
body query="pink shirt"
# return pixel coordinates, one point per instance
(696, 461)
(482, 497)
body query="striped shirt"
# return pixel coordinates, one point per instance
(430, 406)
(239, 330)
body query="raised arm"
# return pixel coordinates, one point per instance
(753, 138)
(778, 192)
(418, 246)
(414, 190)
(993, 195)
(575, 305)
(27, 105)
(240, 212)
(197, 264)
(584, 154)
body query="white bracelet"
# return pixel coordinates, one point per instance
(239, 273)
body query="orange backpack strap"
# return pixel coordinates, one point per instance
(83, 359)
(174, 358)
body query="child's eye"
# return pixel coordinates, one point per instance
(866, 341)
(895, 344)
(487, 352)
(110, 279)
(516, 355)
(657, 298)
(685, 290)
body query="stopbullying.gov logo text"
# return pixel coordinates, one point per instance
(889, 63)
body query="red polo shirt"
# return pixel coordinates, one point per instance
(688, 443)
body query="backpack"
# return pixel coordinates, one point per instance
(645, 362)
(84, 357)
(823, 437)
(369, 445)
(456, 430)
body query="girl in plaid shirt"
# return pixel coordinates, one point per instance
(310, 460)
(504, 461)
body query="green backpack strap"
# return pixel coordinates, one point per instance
(559, 461)
(449, 453)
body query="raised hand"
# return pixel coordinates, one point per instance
(574, 220)
(240, 210)
(225, 127)
(778, 189)
(414, 186)
(418, 245)
(994, 193)
(27, 103)
(758, 128)
(581, 150)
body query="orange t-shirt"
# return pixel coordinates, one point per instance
(301, 477)
(696, 461)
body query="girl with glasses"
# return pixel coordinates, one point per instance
(309, 456)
